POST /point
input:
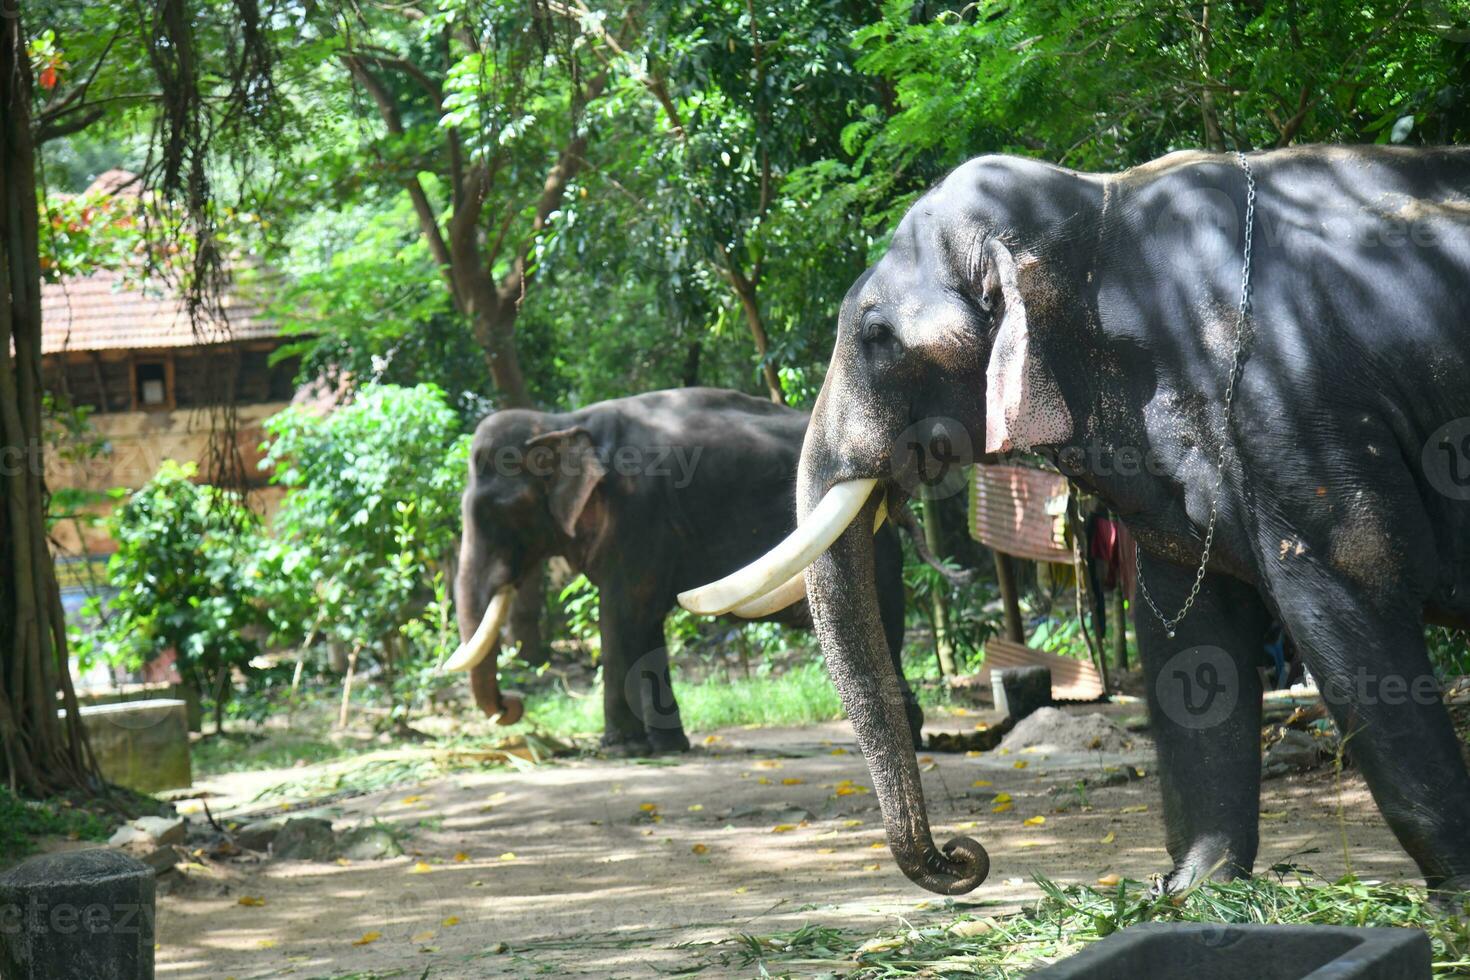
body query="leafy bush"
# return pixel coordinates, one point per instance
(184, 575)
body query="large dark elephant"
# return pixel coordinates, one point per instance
(1093, 318)
(647, 496)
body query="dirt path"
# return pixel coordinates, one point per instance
(603, 868)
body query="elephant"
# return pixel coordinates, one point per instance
(646, 495)
(1261, 364)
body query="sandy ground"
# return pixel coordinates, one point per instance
(620, 869)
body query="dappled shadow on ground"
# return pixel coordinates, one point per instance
(628, 869)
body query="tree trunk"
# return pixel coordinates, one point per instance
(1010, 597)
(40, 754)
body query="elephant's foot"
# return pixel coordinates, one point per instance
(1206, 861)
(1452, 898)
(667, 741)
(625, 745)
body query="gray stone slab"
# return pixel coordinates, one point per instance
(143, 745)
(77, 914)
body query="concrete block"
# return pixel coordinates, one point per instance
(143, 745)
(1211, 951)
(1019, 691)
(77, 914)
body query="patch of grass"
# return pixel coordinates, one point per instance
(1069, 917)
(22, 822)
(234, 753)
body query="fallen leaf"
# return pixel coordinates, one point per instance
(1140, 808)
(367, 937)
(1002, 751)
(871, 867)
(1002, 798)
(839, 751)
(267, 944)
(450, 922)
(700, 848)
(967, 825)
(711, 739)
(648, 807)
(980, 783)
(461, 857)
(696, 807)
(764, 781)
(345, 862)
(508, 856)
(783, 828)
(880, 944)
(1031, 843)
(792, 781)
(768, 763)
(1036, 821)
(422, 937)
(982, 727)
(420, 868)
(251, 901)
(852, 823)
(826, 850)
(1108, 881)
(974, 754)
(1019, 764)
(1000, 807)
(409, 800)
(877, 845)
(741, 890)
(1109, 838)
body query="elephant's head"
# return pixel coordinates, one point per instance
(532, 494)
(907, 384)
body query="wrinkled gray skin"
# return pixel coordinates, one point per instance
(1344, 510)
(647, 496)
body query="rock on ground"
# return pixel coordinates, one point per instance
(1053, 730)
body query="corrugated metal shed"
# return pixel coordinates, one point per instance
(1021, 511)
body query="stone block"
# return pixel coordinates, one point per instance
(143, 745)
(77, 914)
(1019, 691)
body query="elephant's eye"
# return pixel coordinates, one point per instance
(878, 333)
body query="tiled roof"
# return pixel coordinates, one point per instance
(98, 313)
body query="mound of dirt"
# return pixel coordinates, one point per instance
(1053, 730)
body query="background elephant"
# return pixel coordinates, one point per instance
(647, 496)
(1094, 318)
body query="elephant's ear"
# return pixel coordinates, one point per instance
(575, 476)
(1023, 402)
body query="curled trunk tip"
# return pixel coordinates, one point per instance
(960, 867)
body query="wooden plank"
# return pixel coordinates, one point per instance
(1071, 680)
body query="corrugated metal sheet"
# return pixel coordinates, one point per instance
(1071, 680)
(1020, 511)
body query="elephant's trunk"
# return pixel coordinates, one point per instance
(479, 654)
(844, 603)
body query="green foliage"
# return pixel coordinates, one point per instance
(371, 515)
(185, 579)
(22, 821)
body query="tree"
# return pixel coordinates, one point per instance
(42, 754)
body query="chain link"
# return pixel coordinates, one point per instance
(1171, 623)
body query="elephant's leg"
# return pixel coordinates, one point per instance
(1368, 656)
(622, 718)
(650, 684)
(1204, 700)
(888, 571)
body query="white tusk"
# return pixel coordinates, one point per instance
(823, 526)
(487, 634)
(793, 590)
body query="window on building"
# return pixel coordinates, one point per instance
(150, 384)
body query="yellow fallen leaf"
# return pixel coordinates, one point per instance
(251, 901)
(741, 890)
(852, 823)
(783, 828)
(871, 867)
(408, 800)
(1031, 843)
(974, 754)
(711, 739)
(267, 944)
(1002, 751)
(1036, 821)
(700, 848)
(420, 868)
(1002, 798)
(368, 937)
(982, 727)
(877, 845)
(496, 797)
(1108, 881)
(979, 783)
(345, 862)
(764, 781)
(696, 807)
(1141, 808)
(1019, 764)
(925, 760)
(1109, 838)
(450, 922)
(422, 937)
(508, 856)
(839, 751)
(767, 763)
(461, 857)
(967, 825)
(826, 850)
(1000, 808)
(792, 781)
(648, 807)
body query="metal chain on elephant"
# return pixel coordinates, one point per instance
(1171, 624)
